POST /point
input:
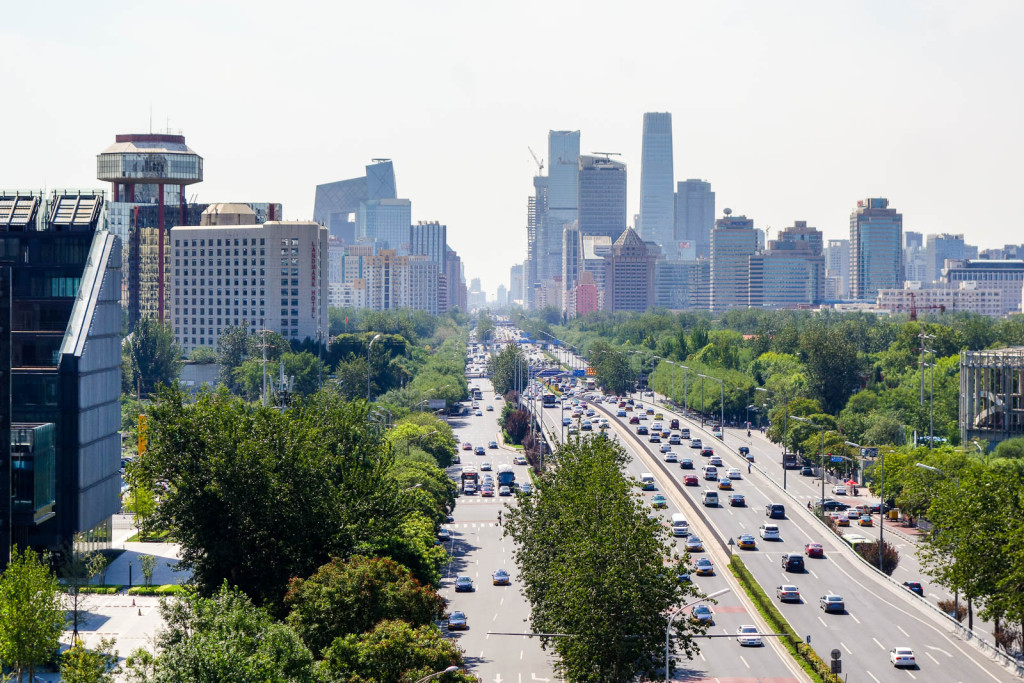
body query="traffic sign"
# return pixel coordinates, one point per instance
(837, 458)
(579, 373)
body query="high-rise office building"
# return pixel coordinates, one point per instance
(672, 284)
(148, 173)
(694, 219)
(430, 239)
(1006, 275)
(515, 283)
(733, 242)
(572, 255)
(837, 265)
(385, 223)
(912, 240)
(602, 196)
(277, 279)
(557, 198)
(60, 357)
(501, 296)
(876, 238)
(629, 273)
(657, 204)
(337, 203)
(939, 248)
(791, 272)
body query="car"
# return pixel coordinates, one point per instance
(902, 657)
(479, 450)
(467, 446)
(501, 578)
(526, 489)
(478, 413)
(702, 613)
(490, 409)
(839, 490)
(671, 457)
(469, 488)
(716, 461)
(769, 532)
(814, 550)
(650, 411)
(737, 500)
(865, 520)
(659, 501)
(444, 534)
(690, 480)
(487, 491)
(694, 545)
(654, 438)
(643, 416)
(505, 491)
(634, 420)
(914, 587)
(725, 484)
(457, 621)
(832, 603)
(519, 460)
(587, 426)
(620, 413)
(793, 562)
(695, 443)
(665, 448)
(707, 452)
(686, 464)
(485, 467)
(775, 511)
(705, 567)
(744, 451)
(456, 460)
(464, 584)
(787, 592)
(747, 636)
(807, 471)
(674, 440)
(831, 505)
(717, 433)
(841, 519)
(492, 444)
(641, 430)
(747, 542)
(734, 473)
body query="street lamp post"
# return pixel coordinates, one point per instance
(821, 430)
(672, 617)
(449, 670)
(368, 347)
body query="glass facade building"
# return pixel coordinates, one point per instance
(386, 223)
(733, 242)
(657, 210)
(337, 203)
(876, 248)
(694, 219)
(602, 200)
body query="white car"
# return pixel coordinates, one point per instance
(671, 457)
(902, 656)
(747, 635)
(769, 532)
(734, 473)
(839, 490)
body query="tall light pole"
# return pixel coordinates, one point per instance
(672, 617)
(449, 670)
(821, 429)
(368, 347)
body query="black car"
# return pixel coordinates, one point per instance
(914, 587)
(793, 562)
(830, 505)
(775, 511)
(641, 430)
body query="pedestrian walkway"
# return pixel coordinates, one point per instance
(126, 569)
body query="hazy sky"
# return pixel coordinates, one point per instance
(792, 110)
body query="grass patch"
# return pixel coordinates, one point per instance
(100, 590)
(157, 537)
(819, 670)
(166, 589)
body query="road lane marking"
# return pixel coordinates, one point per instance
(902, 631)
(877, 643)
(912, 675)
(502, 602)
(855, 618)
(822, 622)
(931, 658)
(521, 654)
(812, 573)
(872, 676)
(848, 650)
(744, 660)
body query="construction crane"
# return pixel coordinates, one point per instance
(539, 162)
(914, 307)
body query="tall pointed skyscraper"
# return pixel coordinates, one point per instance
(657, 203)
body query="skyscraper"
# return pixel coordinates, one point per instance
(837, 265)
(657, 210)
(430, 239)
(938, 249)
(876, 238)
(556, 200)
(694, 219)
(791, 272)
(572, 255)
(629, 273)
(733, 242)
(602, 196)
(336, 203)
(385, 222)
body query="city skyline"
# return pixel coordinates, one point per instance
(895, 99)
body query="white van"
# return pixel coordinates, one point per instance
(680, 527)
(684, 434)
(710, 498)
(710, 472)
(647, 480)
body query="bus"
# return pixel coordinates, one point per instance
(476, 393)
(548, 400)
(591, 385)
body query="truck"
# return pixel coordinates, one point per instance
(789, 461)
(506, 476)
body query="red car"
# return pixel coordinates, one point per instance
(814, 550)
(634, 420)
(467, 446)
(690, 480)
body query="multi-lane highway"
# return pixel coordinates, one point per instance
(478, 548)
(880, 615)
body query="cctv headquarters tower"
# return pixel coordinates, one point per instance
(148, 174)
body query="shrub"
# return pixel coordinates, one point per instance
(890, 556)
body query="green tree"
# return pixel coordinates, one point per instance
(258, 496)
(351, 596)
(832, 366)
(149, 356)
(508, 369)
(393, 651)
(147, 564)
(236, 345)
(612, 368)
(140, 500)
(203, 355)
(593, 564)
(516, 426)
(79, 664)
(484, 327)
(31, 613)
(222, 638)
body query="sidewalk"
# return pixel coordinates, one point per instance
(166, 570)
